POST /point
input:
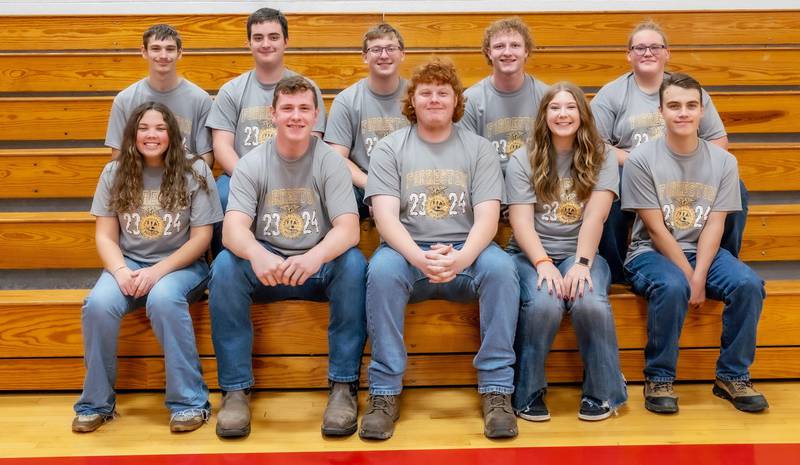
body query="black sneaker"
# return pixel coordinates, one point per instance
(741, 394)
(591, 410)
(536, 409)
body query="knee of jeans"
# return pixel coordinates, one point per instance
(750, 284)
(497, 266)
(104, 304)
(542, 309)
(385, 268)
(164, 304)
(588, 310)
(672, 286)
(225, 269)
(352, 263)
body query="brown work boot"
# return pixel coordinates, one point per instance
(233, 419)
(341, 414)
(659, 397)
(90, 422)
(378, 421)
(499, 420)
(741, 394)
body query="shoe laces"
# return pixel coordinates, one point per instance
(190, 413)
(496, 400)
(381, 403)
(661, 386)
(742, 384)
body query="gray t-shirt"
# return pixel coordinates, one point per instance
(556, 223)
(505, 118)
(294, 202)
(189, 103)
(626, 117)
(151, 233)
(242, 107)
(360, 118)
(685, 188)
(438, 184)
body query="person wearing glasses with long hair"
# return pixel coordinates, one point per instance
(154, 210)
(626, 111)
(559, 191)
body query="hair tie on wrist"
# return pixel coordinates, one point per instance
(542, 260)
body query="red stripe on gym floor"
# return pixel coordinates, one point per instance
(716, 454)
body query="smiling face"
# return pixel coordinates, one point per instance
(152, 138)
(383, 56)
(654, 59)
(434, 105)
(294, 116)
(682, 110)
(563, 116)
(162, 55)
(507, 52)
(267, 44)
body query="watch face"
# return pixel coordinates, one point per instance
(583, 261)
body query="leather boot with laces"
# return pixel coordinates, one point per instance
(741, 394)
(341, 414)
(378, 421)
(233, 419)
(499, 420)
(659, 397)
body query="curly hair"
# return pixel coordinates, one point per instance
(436, 71)
(589, 149)
(512, 24)
(126, 191)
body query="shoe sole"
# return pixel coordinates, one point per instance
(379, 435)
(723, 394)
(536, 418)
(233, 432)
(340, 431)
(655, 408)
(89, 429)
(186, 428)
(602, 416)
(502, 435)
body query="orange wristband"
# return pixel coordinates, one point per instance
(542, 260)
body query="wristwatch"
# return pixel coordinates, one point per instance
(583, 261)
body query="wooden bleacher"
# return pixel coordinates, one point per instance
(55, 95)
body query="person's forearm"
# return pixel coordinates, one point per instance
(589, 236)
(110, 253)
(338, 240)
(526, 237)
(397, 236)
(480, 235)
(227, 157)
(359, 177)
(240, 241)
(707, 247)
(665, 244)
(188, 253)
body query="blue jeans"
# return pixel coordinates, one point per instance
(539, 320)
(234, 286)
(167, 307)
(224, 188)
(614, 241)
(392, 282)
(666, 289)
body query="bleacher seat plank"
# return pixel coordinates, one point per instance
(334, 70)
(419, 29)
(47, 323)
(768, 167)
(49, 173)
(72, 172)
(86, 118)
(114, 32)
(773, 233)
(423, 370)
(66, 239)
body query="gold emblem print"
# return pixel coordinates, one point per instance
(266, 134)
(291, 225)
(437, 206)
(151, 226)
(569, 210)
(684, 216)
(514, 143)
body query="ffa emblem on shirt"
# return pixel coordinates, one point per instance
(569, 210)
(437, 206)
(291, 224)
(683, 217)
(151, 226)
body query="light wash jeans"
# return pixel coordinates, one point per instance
(392, 283)
(539, 320)
(666, 289)
(167, 307)
(234, 286)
